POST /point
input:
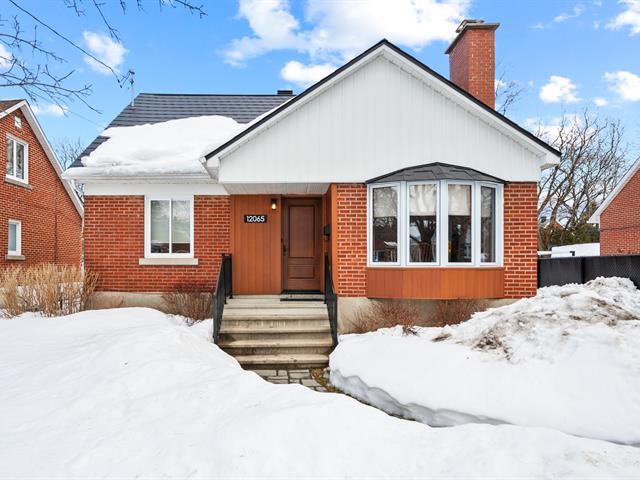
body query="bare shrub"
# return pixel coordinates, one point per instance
(190, 302)
(451, 312)
(51, 290)
(385, 315)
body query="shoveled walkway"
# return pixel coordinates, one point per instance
(316, 378)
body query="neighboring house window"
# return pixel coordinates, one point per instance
(17, 159)
(435, 223)
(15, 238)
(169, 226)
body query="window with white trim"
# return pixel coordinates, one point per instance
(435, 223)
(15, 238)
(169, 226)
(17, 159)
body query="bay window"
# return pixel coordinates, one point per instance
(384, 230)
(423, 223)
(169, 227)
(435, 223)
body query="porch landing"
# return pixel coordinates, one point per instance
(264, 331)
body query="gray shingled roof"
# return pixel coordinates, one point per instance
(435, 171)
(6, 104)
(161, 107)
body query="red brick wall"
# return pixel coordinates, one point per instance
(51, 225)
(620, 221)
(520, 239)
(114, 242)
(350, 242)
(472, 64)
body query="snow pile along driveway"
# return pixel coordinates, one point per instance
(567, 359)
(132, 393)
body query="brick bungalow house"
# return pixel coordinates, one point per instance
(619, 216)
(411, 185)
(40, 214)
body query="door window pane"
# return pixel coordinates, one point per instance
(385, 224)
(160, 217)
(19, 160)
(488, 225)
(423, 204)
(459, 223)
(181, 226)
(13, 237)
(10, 170)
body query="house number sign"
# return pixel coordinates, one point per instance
(255, 219)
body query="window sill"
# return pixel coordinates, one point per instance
(17, 182)
(168, 261)
(14, 257)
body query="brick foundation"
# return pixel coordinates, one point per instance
(114, 242)
(51, 224)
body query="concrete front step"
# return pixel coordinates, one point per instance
(268, 304)
(280, 346)
(276, 314)
(297, 360)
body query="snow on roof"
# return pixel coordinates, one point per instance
(172, 147)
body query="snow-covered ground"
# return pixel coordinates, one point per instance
(134, 393)
(567, 359)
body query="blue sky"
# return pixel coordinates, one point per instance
(567, 54)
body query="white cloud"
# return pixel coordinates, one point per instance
(630, 17)
(342, 29)
(576, 12)
(105, 49)
(625, 84)
(601, 102)
(305, 75)
(5, 57)
(50, 109)
(559, 89)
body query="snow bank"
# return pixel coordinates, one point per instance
(567, 359)
(131, 393)
(172, 147)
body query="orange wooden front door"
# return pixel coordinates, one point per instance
(301, 244)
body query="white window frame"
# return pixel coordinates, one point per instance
(498, 227)
(407, 249)
(399, 226)
(18, 251)
(442, 226)
(15, 141)
(147, 226)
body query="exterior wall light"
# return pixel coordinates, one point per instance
(274, 203)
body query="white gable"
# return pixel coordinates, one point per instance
(383, 115)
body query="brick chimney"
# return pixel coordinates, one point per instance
(472, 59)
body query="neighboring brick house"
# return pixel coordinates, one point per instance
(619, 216)
(412, 185)
(40, 214)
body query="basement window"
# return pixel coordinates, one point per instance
(169, 227)
(441, 223)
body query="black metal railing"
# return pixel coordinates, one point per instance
(224, 290)
(331, 299)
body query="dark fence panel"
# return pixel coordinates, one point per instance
(560, 271)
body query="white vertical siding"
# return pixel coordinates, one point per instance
(378, 119)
